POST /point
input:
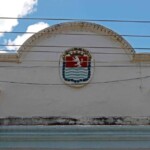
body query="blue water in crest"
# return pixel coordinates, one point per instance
(76, 73)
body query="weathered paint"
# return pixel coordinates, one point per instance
(52, 121)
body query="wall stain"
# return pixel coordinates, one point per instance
(50, 121)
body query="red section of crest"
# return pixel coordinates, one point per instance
(76, 61)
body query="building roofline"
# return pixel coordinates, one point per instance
(74, 26)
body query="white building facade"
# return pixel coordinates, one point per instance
(75, 73)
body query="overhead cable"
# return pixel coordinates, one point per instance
(49, 51)
(69, 46)
(49, 84)
(77, 19)
(125, 35)
(55, 66)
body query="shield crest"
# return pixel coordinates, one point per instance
(77, 67)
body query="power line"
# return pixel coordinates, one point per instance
(125, 35)
(38, 60)
(77, 19)
(97, 66)
(109, 53)
(66, 46)
(43, 84)
(43, 51)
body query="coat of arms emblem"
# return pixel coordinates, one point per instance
(76, 66)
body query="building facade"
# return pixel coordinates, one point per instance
(75, 85)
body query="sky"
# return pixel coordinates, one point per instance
(74, 9)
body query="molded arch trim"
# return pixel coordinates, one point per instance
(75, 26)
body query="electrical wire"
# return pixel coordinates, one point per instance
(77, 19)
(47, 61)
(66, 46)
(43, 51)
(125, 35)
(49, 84)
(97, 66)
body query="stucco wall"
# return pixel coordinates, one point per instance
(103, 98)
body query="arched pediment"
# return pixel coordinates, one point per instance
(75, 26)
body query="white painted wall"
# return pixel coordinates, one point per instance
(124, 98)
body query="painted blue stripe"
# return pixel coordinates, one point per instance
(75, 79)
(76, 75)
(72, 77)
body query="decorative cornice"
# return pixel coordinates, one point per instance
(141, 58)
(7, 57)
